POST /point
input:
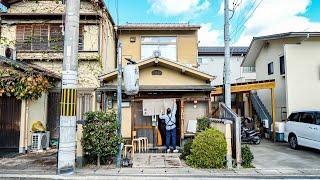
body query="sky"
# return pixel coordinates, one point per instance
(250, 18)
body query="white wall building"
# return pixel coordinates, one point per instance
(211, 61)
(293, 61)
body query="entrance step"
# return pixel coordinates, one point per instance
(157, 160)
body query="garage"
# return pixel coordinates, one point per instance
(10, 111)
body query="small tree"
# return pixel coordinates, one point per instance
(100, 140)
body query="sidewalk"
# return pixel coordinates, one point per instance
(164, 173)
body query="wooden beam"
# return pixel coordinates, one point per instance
(245, 87)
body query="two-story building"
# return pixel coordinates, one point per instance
(292, 60)
(166, 55)
(35, 31)
(211, 61)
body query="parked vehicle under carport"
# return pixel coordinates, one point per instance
(303, 129)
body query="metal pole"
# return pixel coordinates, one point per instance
(119, 101)
(67, 139)
(227, 67)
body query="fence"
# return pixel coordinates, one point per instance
(230, 117)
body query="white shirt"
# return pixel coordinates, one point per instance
(170, 119)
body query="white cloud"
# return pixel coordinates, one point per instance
(208, 36)
(276, 16)
(178, 7)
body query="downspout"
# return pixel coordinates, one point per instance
(26, 133)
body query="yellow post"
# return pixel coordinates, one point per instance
(273, 114)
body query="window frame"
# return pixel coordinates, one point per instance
(270, 68)
(22, 42)
(159, 44)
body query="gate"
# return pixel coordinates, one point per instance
(10, 112)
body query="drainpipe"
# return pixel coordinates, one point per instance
(26, 124)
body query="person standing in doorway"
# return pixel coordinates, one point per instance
(171, 130)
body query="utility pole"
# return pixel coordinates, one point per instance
(227, 68)
(67, 139)
(227, 82)
(119, 101)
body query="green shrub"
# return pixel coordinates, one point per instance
(247, 157)
(186, 150)
(208, 150)
(100, 141)
(203, 124)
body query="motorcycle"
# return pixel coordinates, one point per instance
(249, 135)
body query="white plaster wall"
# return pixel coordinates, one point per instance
(215, 67)
(272, 53)
(37, 111)
(303, 75)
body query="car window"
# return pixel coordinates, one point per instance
(294, 117)
(318, 118)
(307, 117)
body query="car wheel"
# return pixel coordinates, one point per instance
(293, 141)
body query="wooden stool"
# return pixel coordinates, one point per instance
(128, 146)
(145, 142)
(137, 142)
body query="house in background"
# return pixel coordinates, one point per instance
(211, 60)
(166, 56)
(34, 29)
(293, 61)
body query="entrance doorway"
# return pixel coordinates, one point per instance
(143, 125)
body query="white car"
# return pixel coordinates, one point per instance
(303, 129)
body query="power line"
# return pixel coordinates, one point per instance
(240, 26)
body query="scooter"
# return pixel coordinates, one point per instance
(250, 136)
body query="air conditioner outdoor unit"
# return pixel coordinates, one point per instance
(40, 141)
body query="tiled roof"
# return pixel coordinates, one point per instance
(219, 50)
(27, 67)
(156, 26)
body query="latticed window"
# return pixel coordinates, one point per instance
(35, 37)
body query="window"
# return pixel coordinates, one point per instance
(307, 117)
(270, 68)
(294, 117)
(282, 67)
(249, 69)
(156, 72)
(36, 37)
(318, 118)
(166, 45)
